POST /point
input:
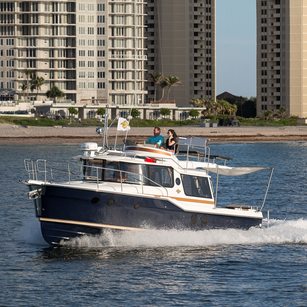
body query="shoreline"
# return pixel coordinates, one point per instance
(13, 134)
(79, 140)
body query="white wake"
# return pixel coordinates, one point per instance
(277, 232)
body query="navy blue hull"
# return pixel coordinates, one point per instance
(66, 213)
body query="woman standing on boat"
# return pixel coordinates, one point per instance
(171, 142)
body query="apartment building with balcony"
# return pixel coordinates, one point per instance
(91, 50)
(126, 50)
(181, 42)
(282, 56)
(38, 38)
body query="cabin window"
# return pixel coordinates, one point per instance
(159, 176)
(111, 171)
(130, 173)
(196, 186)
(92, 169)
(122, 172)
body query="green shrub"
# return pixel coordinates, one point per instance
(137, 122)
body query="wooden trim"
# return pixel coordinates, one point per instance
(88, 224)
(151, 150)
(191, 200)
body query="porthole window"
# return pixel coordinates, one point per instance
(95, 200)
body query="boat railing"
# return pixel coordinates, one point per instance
(39, 170)
(197, 149)
(190, 149)
(35, 168)
(121, 177)
(30, 169)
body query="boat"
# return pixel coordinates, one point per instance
(136, 187)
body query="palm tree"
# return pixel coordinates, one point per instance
(39, 83)
(163, 84)
(210, 107)
(267, 114)
(197, 102)
(226, 108)
(170, 82)
(233, 108)
(36, 84)
(281, 113)
(156, 78)
(217, 107)
(222, 106)
(54, 93)
(24, 87)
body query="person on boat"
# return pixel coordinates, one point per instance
(157, 139)
(171, 142)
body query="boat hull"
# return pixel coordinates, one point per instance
(67, 213)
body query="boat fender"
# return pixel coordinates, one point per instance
(35, 194)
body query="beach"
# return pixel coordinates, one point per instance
(14, 134)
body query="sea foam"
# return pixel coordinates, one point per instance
(277, 232)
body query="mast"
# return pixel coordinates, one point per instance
(105, 128)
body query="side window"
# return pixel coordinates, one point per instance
(130, 173)
(85, 169)
(92, 169)
(122, 172)
(196, 186)
(159, 175)
(111, 171)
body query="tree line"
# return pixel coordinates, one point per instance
(213, 108)
(210, 107)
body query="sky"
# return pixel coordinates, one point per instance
(236, 47)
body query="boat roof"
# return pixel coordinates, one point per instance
(141, 153)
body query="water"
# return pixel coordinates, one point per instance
(257, 267)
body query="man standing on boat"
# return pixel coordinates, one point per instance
(157, 139)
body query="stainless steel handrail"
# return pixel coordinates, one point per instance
(34, 168)
(121, 181)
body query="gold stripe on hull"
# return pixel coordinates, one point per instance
(95, 225)
(191, 200)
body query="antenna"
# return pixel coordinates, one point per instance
(267, 189)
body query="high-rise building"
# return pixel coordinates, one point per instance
(100, 50)
(91, 50)
(282, 56)
(38, 40)
(181, 42)
(126, 51)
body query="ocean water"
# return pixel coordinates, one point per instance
(257, 267)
